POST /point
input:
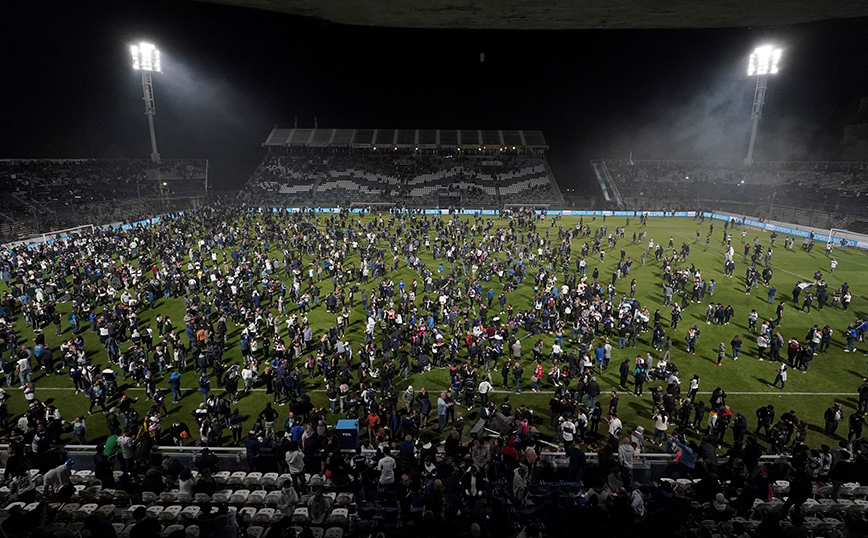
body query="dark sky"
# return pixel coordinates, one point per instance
(231, 74)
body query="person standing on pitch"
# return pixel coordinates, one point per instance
(782, 376)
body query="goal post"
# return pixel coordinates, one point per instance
(846, 239)
(60, 234)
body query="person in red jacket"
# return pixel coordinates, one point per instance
(538, 373)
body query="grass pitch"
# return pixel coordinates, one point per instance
(833, 376)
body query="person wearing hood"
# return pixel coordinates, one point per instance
(408, 397)
(719, 510)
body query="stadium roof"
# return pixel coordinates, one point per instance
(564, 14)
(406, 138)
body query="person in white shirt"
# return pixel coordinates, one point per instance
(615, 427)
(568, 431)
(484, 388)
(386, 466)
(248, 375)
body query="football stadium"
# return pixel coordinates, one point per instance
(388, 331)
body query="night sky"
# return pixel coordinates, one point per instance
(231, 74)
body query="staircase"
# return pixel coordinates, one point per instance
(607, 184)
(315, 188)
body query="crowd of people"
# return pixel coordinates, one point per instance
(414, 180)
(243, 272)
(53, 194)
(834, 188)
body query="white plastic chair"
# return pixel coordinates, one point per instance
(253, 481)
(170, 513)
(190, 512)
(264, 516)
(257, 497)
(339, 517)
(239, 497)
(236, 478)
(273, 498)
(222, 496)
(301, 516)
(246, 514)
(269, 480)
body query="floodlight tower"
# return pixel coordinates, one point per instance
(146, 58)
(763, 62)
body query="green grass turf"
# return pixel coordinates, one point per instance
(835, 372)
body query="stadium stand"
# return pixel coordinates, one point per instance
(46, 194)
(413, 167)
(454, 492)
(825, 194)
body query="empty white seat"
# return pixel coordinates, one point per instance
(301, 516)
(86, 510)
(253, 480)
(273, 498)
(255, 532)
(257, 497)
(269, 480)
(222, 496)
(193, 531)
(334, 532)
(169, 496)
(239, 497)
(155, 510)
(264, 516)
(106, 511)
(202, 498)
(236, 478)
(222, 477)
(68, 509)
(317, 532)
(338, 516)
(170, 513)
(149, 497)
(190, 512)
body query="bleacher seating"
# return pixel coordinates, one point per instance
(61, 193)
(339, 179)
(373, 508)
(835, 188)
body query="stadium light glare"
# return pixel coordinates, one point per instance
(146, 60)
(764, 61)
(146, 57)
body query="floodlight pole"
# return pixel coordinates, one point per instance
(150, 111)
(759, 97)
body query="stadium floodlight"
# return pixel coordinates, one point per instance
(146, 59)
(763, 62)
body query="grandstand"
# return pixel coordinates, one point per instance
(822, 194)
(49, 194)
(421, 168)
